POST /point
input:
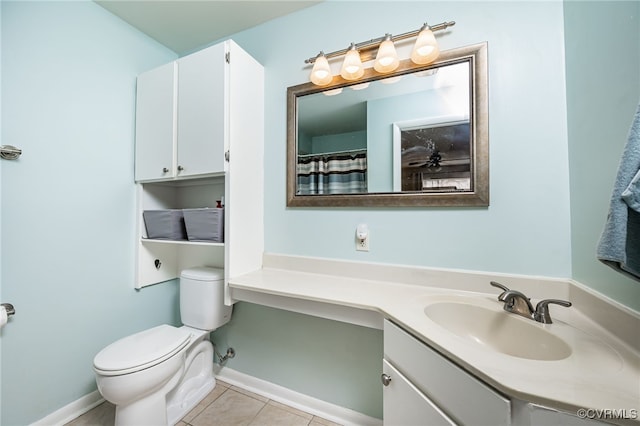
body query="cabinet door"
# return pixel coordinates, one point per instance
(201, 112)
(155, 124)
(404, 404)
(442, 380)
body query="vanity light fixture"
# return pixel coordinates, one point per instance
(352, 68)
(426, 48)
(387, 58)
(424, 52)
(321, 72)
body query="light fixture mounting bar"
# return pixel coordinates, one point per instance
(373, 43)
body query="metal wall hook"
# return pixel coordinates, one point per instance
(9, 152)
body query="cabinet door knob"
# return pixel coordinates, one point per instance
(165, 170)
(180, 168)
(386, 379)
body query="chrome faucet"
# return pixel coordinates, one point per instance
(514, 301)
(519, 304)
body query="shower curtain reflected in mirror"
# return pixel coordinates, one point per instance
(335, 173)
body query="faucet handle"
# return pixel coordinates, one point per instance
(500, 286)
(504, 288)
(542, 310)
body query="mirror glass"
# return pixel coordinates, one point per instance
(414, 137)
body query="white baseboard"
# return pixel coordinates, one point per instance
(294, 399)
(71, 410)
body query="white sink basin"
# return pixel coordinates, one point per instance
(498, 330)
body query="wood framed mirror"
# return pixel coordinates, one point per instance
(415, 137)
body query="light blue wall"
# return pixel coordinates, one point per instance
(526, 229)
(335, 362)
(602, 95)
(339, 142)
(68, 100)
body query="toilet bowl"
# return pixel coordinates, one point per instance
(156, 376)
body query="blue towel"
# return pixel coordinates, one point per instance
(631, 195)
(619, 245)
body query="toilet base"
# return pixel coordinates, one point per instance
(146, 412)
(177, 410)
(149, 410)
(195, 385)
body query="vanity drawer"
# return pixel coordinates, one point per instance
(461, 396)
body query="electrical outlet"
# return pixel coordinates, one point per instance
(362, 238)
(362, 245)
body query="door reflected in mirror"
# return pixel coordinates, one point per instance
(432, 155)
(415, 137)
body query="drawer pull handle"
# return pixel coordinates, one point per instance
(386, 379)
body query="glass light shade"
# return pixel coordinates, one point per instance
(321, 72)
(352, 68)
(387, 58)
(426, 49)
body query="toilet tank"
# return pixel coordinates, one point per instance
(202, 298)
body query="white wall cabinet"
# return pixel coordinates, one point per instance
(182, 116)
(212, 119)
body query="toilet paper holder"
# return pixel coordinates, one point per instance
(9, 308)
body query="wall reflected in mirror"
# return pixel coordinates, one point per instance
(413, 133)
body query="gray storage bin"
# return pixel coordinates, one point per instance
(205, 224)
(165, 224)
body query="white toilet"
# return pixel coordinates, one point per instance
(156, 376)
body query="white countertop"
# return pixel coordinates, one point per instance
(602, 372)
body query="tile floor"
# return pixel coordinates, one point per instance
(226, 405)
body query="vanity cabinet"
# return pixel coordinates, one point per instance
(422, 387)
(199, 140)
(435, 390)
(542, 416)
(181, 116)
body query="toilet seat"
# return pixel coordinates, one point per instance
(141, 350)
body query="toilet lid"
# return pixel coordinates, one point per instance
(141, 350)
